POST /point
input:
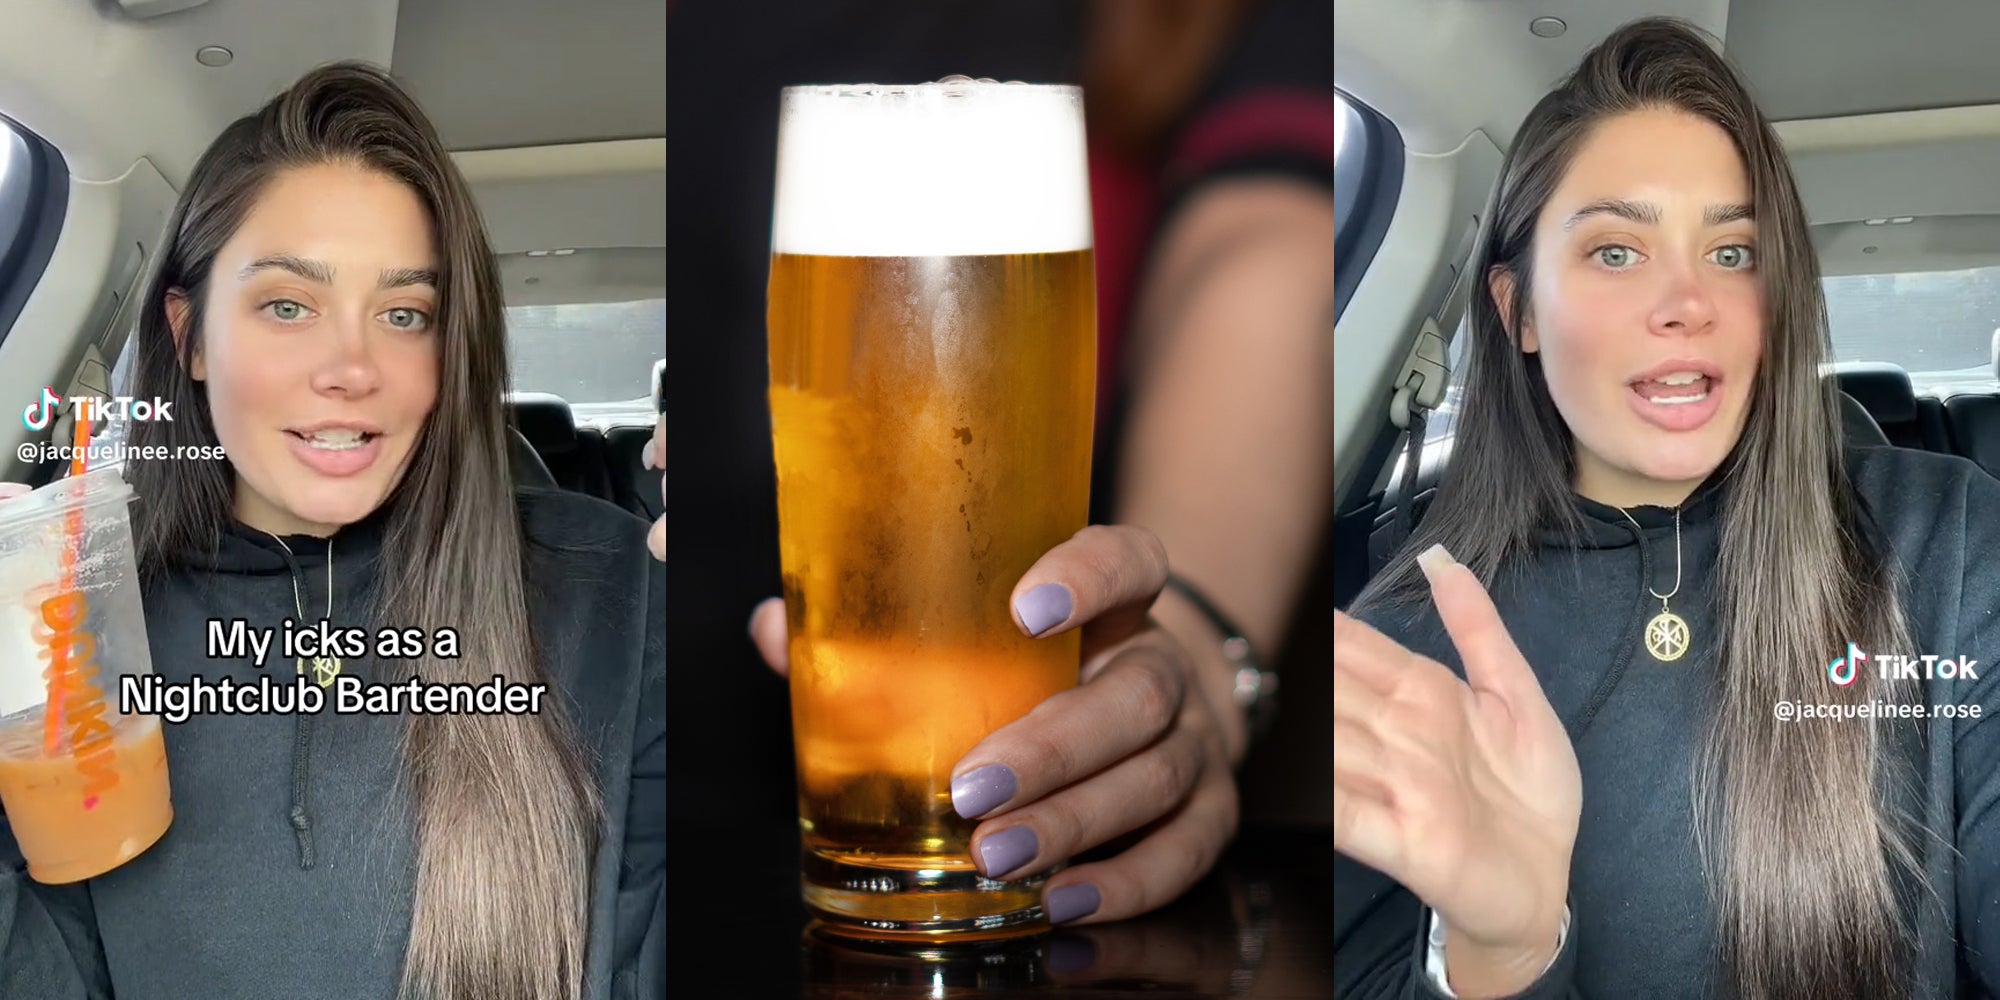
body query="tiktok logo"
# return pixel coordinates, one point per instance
(38, 416)
(1843, 670)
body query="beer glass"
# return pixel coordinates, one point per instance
(932, 324)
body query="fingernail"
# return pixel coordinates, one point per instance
(1043, 608)
(1071, 902)
(15, 490)
(981, 790)
(1001, 853)
(1071, 954)
(1435, 560)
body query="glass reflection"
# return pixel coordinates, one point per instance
(1209, 944)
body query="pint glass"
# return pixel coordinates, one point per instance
(932, 324)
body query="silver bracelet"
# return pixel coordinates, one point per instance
(1255, 689)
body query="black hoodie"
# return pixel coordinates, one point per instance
(1643, 925)
(287, 872)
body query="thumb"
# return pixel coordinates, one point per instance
(1492, 661)
(10, 490)
(767, 632)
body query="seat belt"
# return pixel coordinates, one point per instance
(1420, 387)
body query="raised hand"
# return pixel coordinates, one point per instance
(1464, 791)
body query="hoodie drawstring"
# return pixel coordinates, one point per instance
(301, 775)
(302, 727)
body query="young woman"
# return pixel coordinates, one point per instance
(1568, 766)
(328, 311)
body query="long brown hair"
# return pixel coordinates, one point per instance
(505, 806)
(1798, 832)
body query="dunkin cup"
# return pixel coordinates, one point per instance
(83, 785)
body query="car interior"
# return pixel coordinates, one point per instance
(556, 114)
(1890, 115)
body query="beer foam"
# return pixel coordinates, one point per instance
(953, 168)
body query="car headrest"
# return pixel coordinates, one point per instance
(545, 420)
(1883, 390)
(529, 469)
(1857, 427)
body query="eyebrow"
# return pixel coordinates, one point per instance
(1648, 214)
(404, 277)
(311, 270)
(322, 272)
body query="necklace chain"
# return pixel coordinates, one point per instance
(324, 668)
(1666, 635)
(1677, 553)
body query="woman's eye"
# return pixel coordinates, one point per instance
(1617, 257)
(1736, 257)
(407, 319)
(287, 311)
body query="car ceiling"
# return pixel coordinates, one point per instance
(1856, 87)
(501, 73)
(1834, 58)
(538, 87)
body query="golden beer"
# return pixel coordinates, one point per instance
(931, 424)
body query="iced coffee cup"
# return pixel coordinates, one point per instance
(84, 786)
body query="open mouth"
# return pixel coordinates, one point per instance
(335, 440)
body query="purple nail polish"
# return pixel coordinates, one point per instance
(1071, 902)
(1001, 853)
(1044, 607)
(982, 790)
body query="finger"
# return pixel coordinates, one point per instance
(1156, 870)
(1360, 758)
(1354, 698)
(8, 490)
(768, 633)
(656, 539)
(655, 455)
(1364, 827)
(1124, 797)
(1107, 575)
(1368, 656)
(1074, 734)
(1492, 661)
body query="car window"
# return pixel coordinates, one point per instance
(1367, 177)
(1937, 325)
(599, 356)
(33, 195)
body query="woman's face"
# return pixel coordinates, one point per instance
(1647, 306)
(317, 346)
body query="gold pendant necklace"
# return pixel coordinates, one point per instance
(324, 668)
(1667, 633)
